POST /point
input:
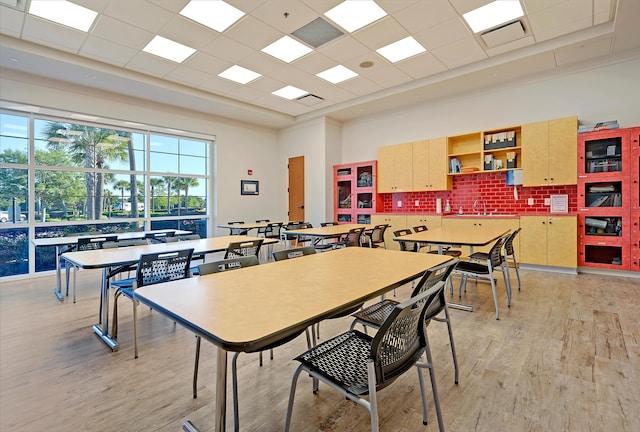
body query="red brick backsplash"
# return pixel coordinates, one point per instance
(490, 187)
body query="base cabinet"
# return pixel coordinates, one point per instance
(480, 223)
(549, 241)
(395, 223)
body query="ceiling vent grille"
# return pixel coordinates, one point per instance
(310, 99)
(318, 32)
(504, 34)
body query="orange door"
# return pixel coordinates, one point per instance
(296, 188)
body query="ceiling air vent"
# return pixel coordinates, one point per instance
(504, 34)
(318, 32)
(310, 99)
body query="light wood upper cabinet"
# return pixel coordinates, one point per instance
(549, 152)
(549, 240)
(430, 165)
(395, 168)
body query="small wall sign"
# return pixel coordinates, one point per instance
(249, 187)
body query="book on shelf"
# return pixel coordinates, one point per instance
(611, 124)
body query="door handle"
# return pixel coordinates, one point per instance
(301, 207)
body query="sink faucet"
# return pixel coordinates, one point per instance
(484, 206)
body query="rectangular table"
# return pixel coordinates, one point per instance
(321, 233)
(247, 226)
(471, 236)
(235, 311)
(107, 258)
(59, 242)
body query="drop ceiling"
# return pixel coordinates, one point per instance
(553, 34)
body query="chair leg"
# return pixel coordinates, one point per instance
(495, 296)
(447, 319)
(515, 266)
(75, 277)
(135, 328)
(114, 325)
(292, 392)
(373, 399)
(195, 367)
(234, 385)
(434, 387)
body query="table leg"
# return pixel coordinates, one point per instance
(221, 395)
(103, 333)
(57, 290)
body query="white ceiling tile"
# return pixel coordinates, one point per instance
(107, 51)
(394, 6)
(464, 6)
(262, 63)
(139, 13)
(174, 6)
(314, 63)
(272, 13)
(459, 53)
(228, 49)
(533, 6)
(246, 6)
(361, 86)
(520, 43)
(183, 30)
(603, 7)
(583, 51)
(121, 33)
(425, 14)
(567, 27)
(94, 5)
(388, 76)
(206, 63)
(442, 34)
(420, 66)
(151, 65)
(186, 75)
(253, 33)
(381, 33)
(53, 35)
(11, 21)
(343, 49)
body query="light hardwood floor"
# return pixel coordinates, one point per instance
(565, 357)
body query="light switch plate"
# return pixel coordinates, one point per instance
(399, 203)
(530, 201)
(547, 201)
(417, 203)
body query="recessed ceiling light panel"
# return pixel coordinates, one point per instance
(287, 49)
(290, 92)
(214, 14)
(493, 14)
(64, 12)
(337, 74)
(352, 15)
(402, 49)
(239, 74)
(166, 48)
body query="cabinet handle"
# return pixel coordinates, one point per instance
(551, 179)
(543, 222)
(545, 179)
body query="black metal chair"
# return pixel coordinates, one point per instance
(83, 244)
(476, 270)
(351, 238)
(271, 231)
(374, 315)
(406, 246)
(374, 237)
(326, 243)
(160, 237)
(151, 269)
(446, 250)
(355, 364)
(509, 254)
(243, 248)
(225, 265)
(237, 231)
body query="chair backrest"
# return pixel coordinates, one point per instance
(293, 253)
(272, 230)
(400, 341)
(438, 274)
(243, 248)
(405, 246)
(155, 268)
(159, 237)
(228, 264)
(237, 231)
(495, 254)
(188, 237)
(377, 234)
(508, 243)
(420, 228)
(262, 230)
(353, 237)
(125, 243)
(92, 243)
(326, 224)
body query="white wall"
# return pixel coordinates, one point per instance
(239, 146)
(605, 93)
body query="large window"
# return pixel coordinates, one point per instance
(84, 178)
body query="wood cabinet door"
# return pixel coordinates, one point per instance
(403, 167)
(511, 224)
(563, 151)
(533, 240)
(562, 249)
(386, 169)
(421, 166)
(535, 158)
(439, 164)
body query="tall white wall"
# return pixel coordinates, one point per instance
(610, 92)
(239, 146)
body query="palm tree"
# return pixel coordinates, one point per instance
(122, 185)
(168, 181)
(154, 183)
(184, 183)
(90, 147)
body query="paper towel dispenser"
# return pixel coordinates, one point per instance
(514, 177)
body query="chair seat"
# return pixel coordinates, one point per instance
(453, 253)
(123, 283)
(328, 359)
(480, 256)
(377, 313)
(466, 266)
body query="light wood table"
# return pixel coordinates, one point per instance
(107, 258)
(59, 242)
(443, 236)
(233, 311)
(247, 226)
(321, 233)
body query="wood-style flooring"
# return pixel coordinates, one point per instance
(565, 357)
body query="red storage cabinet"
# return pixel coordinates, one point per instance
(354, 193)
